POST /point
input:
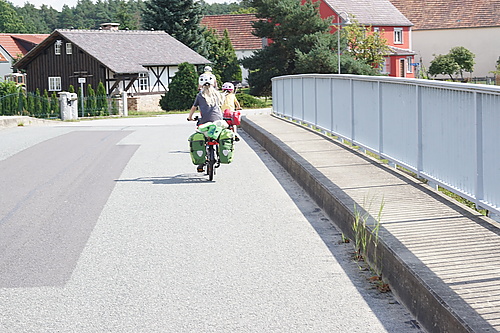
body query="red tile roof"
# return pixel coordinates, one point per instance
(12, 43)
(2, 58)
(449, 14)
(239, 27)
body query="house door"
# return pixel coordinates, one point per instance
(402, 68)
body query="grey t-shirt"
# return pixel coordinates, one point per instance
(208, 113)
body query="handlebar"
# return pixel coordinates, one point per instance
(194, 119)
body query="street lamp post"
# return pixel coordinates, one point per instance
(347, 21)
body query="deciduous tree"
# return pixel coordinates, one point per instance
(457, 61)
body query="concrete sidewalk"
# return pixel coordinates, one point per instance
(441, 259)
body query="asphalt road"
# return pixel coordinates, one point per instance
(105, 226)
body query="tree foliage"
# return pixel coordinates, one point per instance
(300, 42)
(102, 102)
(221, 53)
(181, 19)
(182, 90)
(87, 14)
(84, 15)
(457, 61)
(464, 59)
(10, 22)
(365, 45)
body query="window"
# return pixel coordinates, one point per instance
(143, 82)
(409, 62)
(57, 47)
(385, 67)
(376, 29)
(69, 48)
(55, 83)
(398, 35)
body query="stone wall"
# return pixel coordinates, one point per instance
(144, 103)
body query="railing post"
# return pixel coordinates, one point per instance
(420, 162)
(351, 87)
(332, 106)
(315, 103)
(302, 97)
(282, 105)
(479, 147)
(380, 119)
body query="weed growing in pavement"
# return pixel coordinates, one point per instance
(365, 235)
(345, 239)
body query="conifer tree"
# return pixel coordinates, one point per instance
(181, 19)
(102, 101)
(230, 68)
(45, 104)
(10, 21)
(54, 103)
(298, 38)
(37, 107)
(91, 102)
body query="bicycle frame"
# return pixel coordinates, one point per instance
(212, 161)
(212, 157)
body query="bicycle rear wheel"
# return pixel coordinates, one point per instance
(211, 163)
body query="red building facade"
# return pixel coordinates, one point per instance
(382, 16)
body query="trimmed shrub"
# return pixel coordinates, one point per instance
(249, 101)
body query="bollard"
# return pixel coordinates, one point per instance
(68, 105)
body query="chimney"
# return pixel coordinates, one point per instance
(109, 26)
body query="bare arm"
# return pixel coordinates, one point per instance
(191, 112)
(237, 104)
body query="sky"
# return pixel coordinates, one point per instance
(57, 4)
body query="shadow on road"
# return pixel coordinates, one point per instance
(187, 178)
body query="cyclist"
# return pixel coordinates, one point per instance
(208, 70)
(208, 101)
(230, 101)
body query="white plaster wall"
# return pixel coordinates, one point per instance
(5, 67)
(483, 42)
(240, 54)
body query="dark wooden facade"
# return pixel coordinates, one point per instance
(69, 67)
(122, 60)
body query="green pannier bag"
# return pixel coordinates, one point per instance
(226, 146)
(197, 145)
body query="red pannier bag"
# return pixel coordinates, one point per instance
(232, 117)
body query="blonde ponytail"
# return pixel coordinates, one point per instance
(211, 95)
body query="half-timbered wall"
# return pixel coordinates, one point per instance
(156, 80)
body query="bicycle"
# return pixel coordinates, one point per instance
(212, 161)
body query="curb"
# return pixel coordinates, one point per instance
(406, 275)
(14, 121)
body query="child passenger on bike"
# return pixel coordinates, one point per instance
(208, 101)
(230, 101)
(230, 104)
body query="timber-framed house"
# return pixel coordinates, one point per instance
(138, 62)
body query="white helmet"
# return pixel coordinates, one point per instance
(207, 69)
(206, 79)
(228, 86)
